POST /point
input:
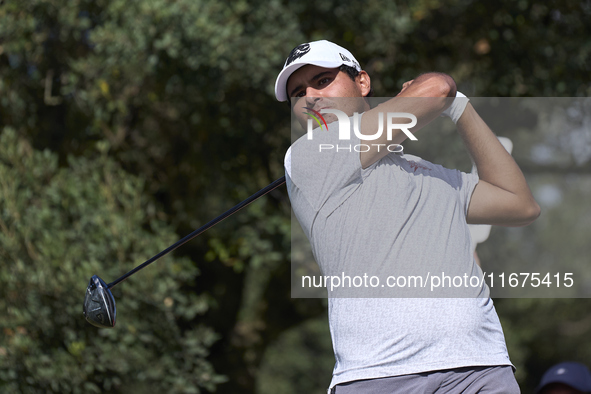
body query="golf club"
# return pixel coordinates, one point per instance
(99, 304)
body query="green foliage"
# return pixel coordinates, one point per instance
(505, 48)
(299, 361)
(182, 91)
(543, 332)
(58, 227)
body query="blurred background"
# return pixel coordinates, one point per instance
(125, 125)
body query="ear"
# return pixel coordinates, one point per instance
(364, 82)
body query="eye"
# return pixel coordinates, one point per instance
(323, 81)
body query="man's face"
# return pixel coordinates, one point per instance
(318, 88)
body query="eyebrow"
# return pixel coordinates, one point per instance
(313, 79)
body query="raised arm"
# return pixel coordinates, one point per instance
(502, 196)
(430, 86)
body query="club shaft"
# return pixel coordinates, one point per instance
(202, 229)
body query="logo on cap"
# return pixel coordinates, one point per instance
(346, 59)
(297, 53)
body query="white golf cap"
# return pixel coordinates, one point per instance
(319, 53)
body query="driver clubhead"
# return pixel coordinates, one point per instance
(99, 304)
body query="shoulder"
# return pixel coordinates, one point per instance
(453, 177)
(287, 162)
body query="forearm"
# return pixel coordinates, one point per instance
(496, 167)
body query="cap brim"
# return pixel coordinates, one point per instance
(281, 82)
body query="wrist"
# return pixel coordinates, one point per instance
(457, 107)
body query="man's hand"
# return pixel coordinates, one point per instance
(405, 86)
(435, 88)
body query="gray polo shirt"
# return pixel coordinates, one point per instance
(402, 215)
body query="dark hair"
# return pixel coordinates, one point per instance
(351, 72)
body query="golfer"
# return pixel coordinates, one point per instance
(370, 206)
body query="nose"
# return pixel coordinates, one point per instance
(312, 95)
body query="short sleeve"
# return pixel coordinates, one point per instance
(322, 173)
